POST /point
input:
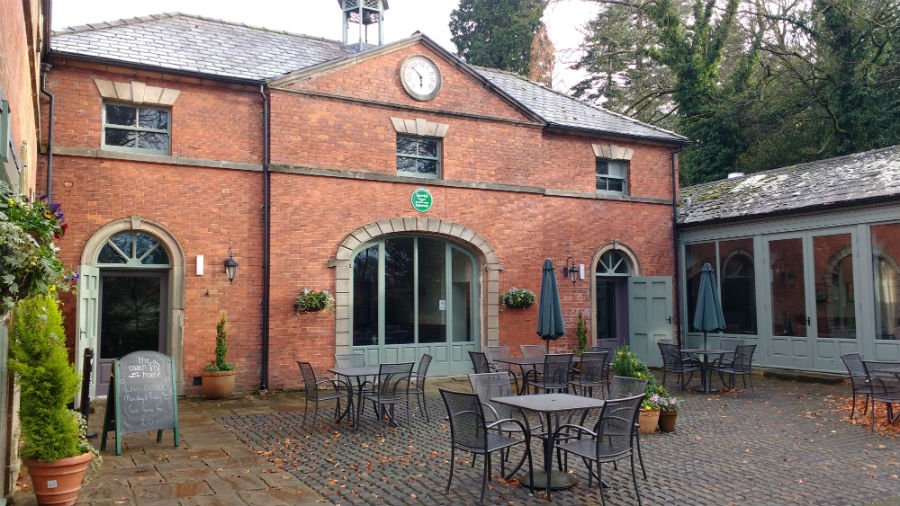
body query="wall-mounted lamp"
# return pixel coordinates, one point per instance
(572, 271)
(231, 266)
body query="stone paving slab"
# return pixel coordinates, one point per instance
(784, 446)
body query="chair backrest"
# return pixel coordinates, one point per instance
(467, 427)
(617, 420)
(671, 356)
(623, 386)
(480, 362)
(730, 344)
(490, 385)
(422, 371)
(497, 352)
(743, 357)
(855, 367)
(350, 360)
(556, 368)
(592, 366)
(532, 350)
(309, 380)
(393, 379)
(883, 381)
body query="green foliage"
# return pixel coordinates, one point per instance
(517, 298)
(221, 363)
(754, 85)
(313, 300)
(28, 262)
(581, 334)
(627, 364)
(496, 33)
(48, 382)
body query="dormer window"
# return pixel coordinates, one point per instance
(136, 128)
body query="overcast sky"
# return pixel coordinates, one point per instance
(322, 18)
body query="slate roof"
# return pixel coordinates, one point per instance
(177, 41)
(562, 110)
(851, 179)
(182, 42)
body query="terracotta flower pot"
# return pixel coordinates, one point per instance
(667, 421)
(649, 420)
(217, 385)
(57, 483)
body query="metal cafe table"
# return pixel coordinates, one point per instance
(706, 372)
(357, 375)
(550, 405)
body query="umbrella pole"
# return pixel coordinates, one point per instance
(704, 341)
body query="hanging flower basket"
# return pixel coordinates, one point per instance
(310, 301)
(517, 298)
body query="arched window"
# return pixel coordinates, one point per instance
(413, 290)
(133, 249)
(613, 263)
(738, 292)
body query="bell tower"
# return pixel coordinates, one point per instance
(363, 13)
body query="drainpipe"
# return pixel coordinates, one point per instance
(267, 216)
(675, 248)
(45, 69)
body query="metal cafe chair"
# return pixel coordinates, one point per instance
(884, 386)
(674, 362)
(470, 432)
(621, 387)
(496, 384)
(741, 365)
(610, 439)
(590, 373)
(859, 380)
(314, 394)
(417, 386)
(554, 376)
(480, 362)
(532, 350)
(349, 359)
(391, 389)
(495, 353)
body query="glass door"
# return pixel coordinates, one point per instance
(790, 312)
(835, 303)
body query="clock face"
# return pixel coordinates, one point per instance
(420, 77)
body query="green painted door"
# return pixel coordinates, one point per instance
(649, 316)
(86, 327)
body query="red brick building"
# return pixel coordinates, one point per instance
(181, 139)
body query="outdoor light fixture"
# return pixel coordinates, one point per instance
(231, 266)
(570, 270)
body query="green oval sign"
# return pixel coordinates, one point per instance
(421, 200)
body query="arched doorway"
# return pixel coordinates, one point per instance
(130, 296)
(416, 263)
(629, 308)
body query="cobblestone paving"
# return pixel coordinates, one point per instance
(786, 445)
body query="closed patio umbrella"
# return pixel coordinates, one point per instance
(550, 322)
(708, 314)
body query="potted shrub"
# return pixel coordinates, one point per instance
(517, 298)
(580, 335)
(668, 413)
(627, 364)
(218, 377)
(55, 449)
(310, 301)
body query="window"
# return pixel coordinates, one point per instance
(132, 128)
(612, 176)
(418, 157)
(133, 249)
(738, 286)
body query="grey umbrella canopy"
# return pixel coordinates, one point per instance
(708, 314)
(550, 321)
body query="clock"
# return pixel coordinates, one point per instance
(421, 77)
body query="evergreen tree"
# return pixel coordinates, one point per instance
(496, 33)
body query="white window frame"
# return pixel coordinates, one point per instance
(437, 159)
(608, 176)
(137, 107)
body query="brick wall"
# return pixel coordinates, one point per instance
(208, 209)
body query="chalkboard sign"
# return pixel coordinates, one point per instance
(141, 397)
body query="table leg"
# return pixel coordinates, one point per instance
(549, 480)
